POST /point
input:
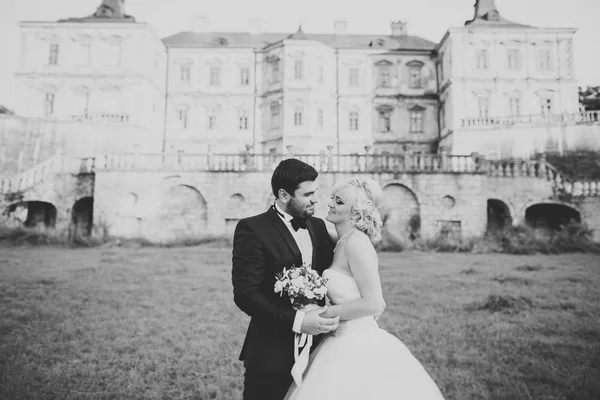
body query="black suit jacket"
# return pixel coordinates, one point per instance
(262, 247)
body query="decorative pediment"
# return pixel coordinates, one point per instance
(114, 39)
(83, 39)
(215, 107)
(513, 93)
(183, 61)
(81, 89)
(352, 63)
(49, 37)
(272, 58)
(512, 43)
(415, 63)
(49, 89)
(351, 107)
(110, 88)
(481, 92)
(296, 55)
(383, 63)
(545, 93)
(384, 107)
(416, 107)
(214, 62)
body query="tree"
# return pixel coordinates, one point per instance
(589, 98)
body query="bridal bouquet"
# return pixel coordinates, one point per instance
(302, 285)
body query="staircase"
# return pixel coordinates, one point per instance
(45, 170)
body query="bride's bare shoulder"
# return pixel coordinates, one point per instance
(359, 243)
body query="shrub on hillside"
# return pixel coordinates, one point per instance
(570, 238)
(578, 164)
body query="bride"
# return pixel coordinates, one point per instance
(360, 360)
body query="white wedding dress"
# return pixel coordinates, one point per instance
(361, 361)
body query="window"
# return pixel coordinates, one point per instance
(416, 120)
(49, 104)
(482, 59)
(320, 118)
(353, 77)
(183, 118)
(86, 103)
(244, 76)
(321, 74)
(110, 51)
(53, 57)
(546, 106)
(184, 73)
(84, 54)
(415, 77)
(441, 68)
(212, 120)
(385, 119)
(514, 106)
(385, 77)
(243, 117)
(298, 70)
(215, 76)
(544, 60)
(353, 121)
(484, 107)
(275, 113)
(513, 59)
(275, 71)
(298, 111)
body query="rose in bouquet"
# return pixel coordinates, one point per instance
(302, 285)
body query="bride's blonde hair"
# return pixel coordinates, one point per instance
(363, 196)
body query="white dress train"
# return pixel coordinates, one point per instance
(362, 361)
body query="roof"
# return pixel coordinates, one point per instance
(189, 39)
(502, 23)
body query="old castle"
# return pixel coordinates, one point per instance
(120, 132)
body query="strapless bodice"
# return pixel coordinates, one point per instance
(342, 288)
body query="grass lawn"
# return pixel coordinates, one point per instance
(150, 323)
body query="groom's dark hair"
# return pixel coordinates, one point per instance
(289, 174)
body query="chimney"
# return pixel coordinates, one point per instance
(255, 26)
(200, 23)
(341, 27)
(399, 28)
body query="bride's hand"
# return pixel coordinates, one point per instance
(330, 312)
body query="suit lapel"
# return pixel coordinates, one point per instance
(285, 234)
(313, 239)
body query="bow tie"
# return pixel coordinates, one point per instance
(298, 223)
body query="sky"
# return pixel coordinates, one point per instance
(426, 18)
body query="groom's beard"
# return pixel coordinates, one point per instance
(295, 209)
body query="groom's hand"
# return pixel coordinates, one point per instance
(314, 324)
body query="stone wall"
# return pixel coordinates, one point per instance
(133, 204)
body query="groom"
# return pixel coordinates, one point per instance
(263, 245)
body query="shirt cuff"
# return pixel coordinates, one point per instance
(298, 321)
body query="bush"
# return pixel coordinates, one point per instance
(571, 238)
(578, 164)
(16, 236)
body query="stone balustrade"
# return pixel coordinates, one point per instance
(566, 118)
(48, 168)
(343, 163)
(541, 169)
(261, 162)
(101, 117)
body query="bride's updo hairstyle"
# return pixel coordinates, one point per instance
(363, 196)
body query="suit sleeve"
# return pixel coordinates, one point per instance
(248, 274)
